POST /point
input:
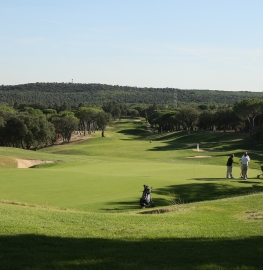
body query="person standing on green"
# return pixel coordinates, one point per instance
(229, 163)
(245, 160)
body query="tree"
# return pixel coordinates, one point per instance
(249, 109)
(32, 124)
(113, 108)
(13, 133)
(25, 130)
(133, 113)
(65, 125)
(46, 134)
(40, 132)
(102, 121)
(222, 119)
(87, 119)
(7, 109)
(164, 120)
(206, 120)
(188, 117)
(49, 113)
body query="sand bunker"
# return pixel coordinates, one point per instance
(27, 163)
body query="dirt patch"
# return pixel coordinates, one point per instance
(27, 163)
(74, 138)
(255, 215)
(156, 211)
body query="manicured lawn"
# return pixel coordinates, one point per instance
(116, 186)
(222, 234)
(107, 174)
(82, 212)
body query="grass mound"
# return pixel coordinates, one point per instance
(7, 162)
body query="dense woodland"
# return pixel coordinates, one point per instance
(38, 114)
(56, 94)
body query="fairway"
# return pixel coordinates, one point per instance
(82, 211)
(100, 186)
(107, 174)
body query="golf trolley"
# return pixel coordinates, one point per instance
(258, 176)
(146, 200)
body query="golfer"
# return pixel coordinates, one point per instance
(245, 160)
(229, 163)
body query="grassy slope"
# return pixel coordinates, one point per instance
(106, 175)
(223, 234)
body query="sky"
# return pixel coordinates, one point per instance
(185, 44)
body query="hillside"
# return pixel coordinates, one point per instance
(96, 94)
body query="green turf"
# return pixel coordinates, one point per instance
(221, 234)
(107, 174)
(82, 212)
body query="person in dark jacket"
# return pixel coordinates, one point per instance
(229, 163)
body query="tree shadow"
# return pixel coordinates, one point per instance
(133, 131)
(208, 191)
(236, 180)
(23, 252)
(169, 147)
(189, 193)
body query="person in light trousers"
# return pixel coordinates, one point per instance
(245, 160)
(229, 163)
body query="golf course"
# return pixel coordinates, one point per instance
(76, 205)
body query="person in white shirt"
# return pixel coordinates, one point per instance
(245, 159)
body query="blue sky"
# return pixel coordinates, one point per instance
(186, 44)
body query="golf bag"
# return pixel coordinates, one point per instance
(146, 200)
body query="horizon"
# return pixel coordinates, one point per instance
(174, 88)
(197, 45)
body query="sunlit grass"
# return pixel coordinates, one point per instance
(82, 212)
(7, 162)
(220, 234)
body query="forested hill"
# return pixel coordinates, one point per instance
(96, 94)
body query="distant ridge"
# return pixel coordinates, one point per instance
(97, 94)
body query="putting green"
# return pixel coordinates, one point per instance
(116, 186)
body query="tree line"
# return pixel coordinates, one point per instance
(245, 116)
(56, 94)
(33, 126)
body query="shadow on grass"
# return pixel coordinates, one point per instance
(212, 142)
(44, 252)
(189, 193)
(131, 205)
(237, 180)
(133, 131)
(209, 191)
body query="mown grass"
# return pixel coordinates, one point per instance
(83, 211)
(222, 234)
(107, 174)
(7, 162)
